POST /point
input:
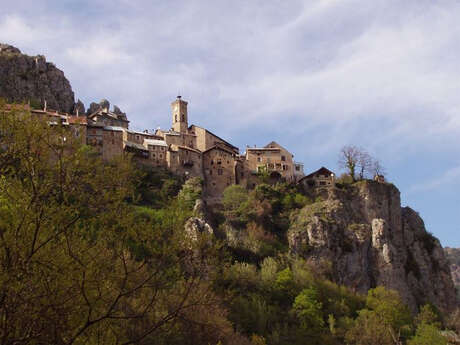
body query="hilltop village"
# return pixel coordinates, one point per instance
(186, 150)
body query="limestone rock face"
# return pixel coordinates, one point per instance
(79, 108)
(453, 256)
(30, 78)
(370, 241)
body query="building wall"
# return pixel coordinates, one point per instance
(273, 158)
(112, 144)
(185, 162)
(157, 155)
(219, 171)
(95, 138)
(206, 140)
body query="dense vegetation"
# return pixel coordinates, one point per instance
(96, 253)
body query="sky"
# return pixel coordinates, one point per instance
(312, 75)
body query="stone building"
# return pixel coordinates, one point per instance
(109, 118)
(298, 171)
(219, 164)
(273, 159)
(322, 177)
(186, 150)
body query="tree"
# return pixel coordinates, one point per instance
(427, 334)
(77, 264)
(364, 163)
(234, 197)
(348, 159)
(385, 320)
(358, 163)
(377, 168)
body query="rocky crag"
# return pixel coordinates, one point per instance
(453, 256)
(371, 240)
(31, 79)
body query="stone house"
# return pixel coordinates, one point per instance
(157, 152)
(322, 177)
(272, 158)
(109, 118)
(298, 171)
(189, 151)
(185, 161)
(112, 142)
(219, 166)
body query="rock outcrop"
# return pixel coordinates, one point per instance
(370, 241)
(453, 256)
(31, 79)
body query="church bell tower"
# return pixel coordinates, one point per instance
(179, 115)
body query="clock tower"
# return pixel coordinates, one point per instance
(179, 115)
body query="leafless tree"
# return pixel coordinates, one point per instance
(348, 160)
(364, 163)
(377, 168)
(359, 163)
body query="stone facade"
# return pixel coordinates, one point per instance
(219, 164)
(188, 151)
(273, 159)
(322, 177)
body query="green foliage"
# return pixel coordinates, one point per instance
(234, 196)
(427, 334)
(428, 314)
(309, 310)
(190, 192)
(384, 320)
(80, 263)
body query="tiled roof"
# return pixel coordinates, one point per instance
(321, 171)
(114, 128)
(135, 145)
(226, 142)
(155, 142)
(188, 148)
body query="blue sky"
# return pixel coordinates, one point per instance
(312, 75)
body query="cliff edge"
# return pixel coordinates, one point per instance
(371, 240)
(26, 78)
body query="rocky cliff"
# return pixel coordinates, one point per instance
(453, 256)
(370, 240)
(31, 78)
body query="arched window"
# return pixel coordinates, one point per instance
(175, 118)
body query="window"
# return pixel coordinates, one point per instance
(219, 162)
(259, 159)
(297, 168)
(210, 172)
(183, 118)
(153, 155)
(283, 158)
(212, 162)
(161, 156)
(219, 171)
(322, 183)
(175, 118)
(284, 167)
(113, 142)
